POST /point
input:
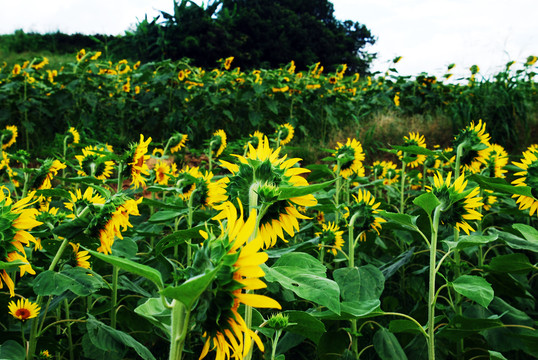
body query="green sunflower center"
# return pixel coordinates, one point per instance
(346, 157)
(274, 211)
(366, 216)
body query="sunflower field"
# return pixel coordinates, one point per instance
(155, 211)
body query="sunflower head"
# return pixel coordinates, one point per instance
(458, 203)
(413, 139)
(72, 136)
(177, 142)
(349, 158)
(284, 133)
(95, 162)
(255, 139)
(496, 158)
(331, 236)
(364, 210)
(8, 136)
(45, 174)
(80, 258)
(473, 140)
(138, 167)
(528, 176)
(236, 254)
(218, 142)
(23, 309)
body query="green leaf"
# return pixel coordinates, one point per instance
(287, 192)
(512, 263)
(529, 233)
(405, 220)
(11, 264)
(494, 355)
(332, 345)
(125, 248)
(358, 309)
(106, 338)
(54, 192)
(156, 313)
(12, 350)
(499, 184)
(427, 202)
(305, 276)
(387, 346)
(164, 215)
(360, 284)
(406, 326)
(475, 288)
(190, 290)
(517, 242)
(305, 325)
(76, 280)
(132, 267)
(415, 150)
(179, 237)
(466, 241)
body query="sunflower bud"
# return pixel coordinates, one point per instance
(278, 321)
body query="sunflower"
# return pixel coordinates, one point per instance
(138, 166)
(489, 199)
(218, 142)
(186, 181)
(46, 173)
(385, 170)
(414, 139)
(528, 176)
(73, 136)
(80, 257)
(93, 162)
(9, 136)
(284, 134)
(180, 141)
(366, 208)
(496, 158)
(157, 153)
(458, 203)
(23, 309)
(16, 219)
(223, 328)
(118, 222)
(228, 62)
(475, 142)
(349, 156)
(162, 172)
(262, 168)
(331, 234)
(255, 139)
(80, 201)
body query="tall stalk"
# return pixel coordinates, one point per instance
(431, 283)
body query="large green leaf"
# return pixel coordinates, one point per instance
(517, 242)
(407, 221)
(156, 313)
(305, 276)
(179, 237)
(529, 233)
(305, 324)
(466, 241)
(287, 192)
(403, 325)
(12, 350)
(77, 280)
(106, 338)
(475, 288)
(387, 346)
(499, 184)
(360, 284)
(132, 267)
(513, 263)
(190, 290)
(165, 215)
(427, 202)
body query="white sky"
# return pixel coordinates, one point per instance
(428, 34)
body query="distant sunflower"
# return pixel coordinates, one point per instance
(157, 153)
(73, 136)
(80, 257)
(218, 142)
(255, 139)
(528, 176)
(331, 235)
(9, 136)
(385, 170)
(80, 201)
(414, 139)
(93, 162)
(284, 133)
(46, 173)
(496, 158)
(23, 309)
(179, 141)
(114, 223)
(350, 156)
(224, 329)
(138, 166)
(476, 142)
(263, 168)
(186, 181)
(16, 219)
(366, 208)
(162, 172)
(459, 204)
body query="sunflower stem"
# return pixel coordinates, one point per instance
(120, 180)
(337, 193)
(69, 335)
(351, 265)
(431, 292)
(402, 185)
(457, 258)
(115, 273)
(180, 325)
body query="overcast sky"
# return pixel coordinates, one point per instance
(429, 35)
